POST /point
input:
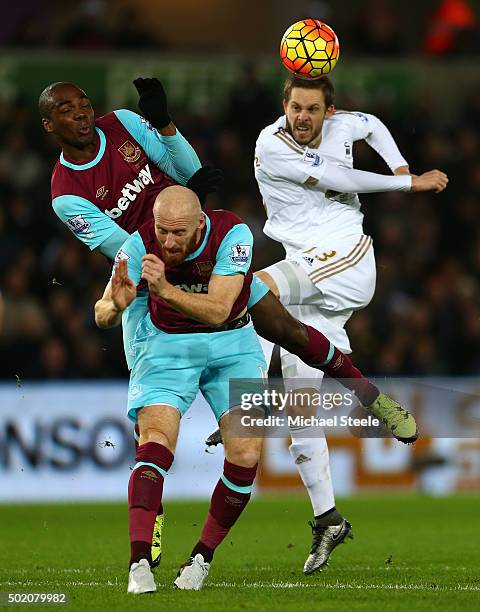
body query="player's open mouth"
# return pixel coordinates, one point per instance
(85, 130)
(302, 129)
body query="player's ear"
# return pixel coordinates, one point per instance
(285, 104)
(329, 112)
(201, 222)
(47, 125)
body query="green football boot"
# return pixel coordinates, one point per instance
(396, 419)
(157, 540)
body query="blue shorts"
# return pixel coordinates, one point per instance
(258, 290)
(139, 307)
(172, 368)
(130, 319)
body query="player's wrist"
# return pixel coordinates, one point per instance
(166, 291)
(160, 121)
(116, 309)
(168, 130)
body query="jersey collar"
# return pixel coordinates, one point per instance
(90, 164)
(197, 252)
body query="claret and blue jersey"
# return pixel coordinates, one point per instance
(225, 248)
(107, 198)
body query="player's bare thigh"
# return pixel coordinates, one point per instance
(159, 423)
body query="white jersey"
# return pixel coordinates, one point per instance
(301, 215)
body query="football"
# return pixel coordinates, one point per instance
(309, 48)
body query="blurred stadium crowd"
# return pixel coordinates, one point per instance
(424, 318)
(383, 28)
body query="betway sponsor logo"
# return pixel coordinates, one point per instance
(130, 192)
(196, 288)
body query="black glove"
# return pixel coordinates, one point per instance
(205, 180)
(153, 101)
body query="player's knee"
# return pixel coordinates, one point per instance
(151, 433)
(244, 455)
(159, 424)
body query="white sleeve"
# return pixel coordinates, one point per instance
(369, 128)
(348, 180)
(382, 141)
(286, 162)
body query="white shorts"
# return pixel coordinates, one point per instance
(323, 287)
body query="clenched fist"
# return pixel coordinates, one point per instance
(153, 271)
(435, 180)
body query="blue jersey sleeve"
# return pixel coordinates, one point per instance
(133, 250)
(174, 155)
(258, 290)
(234, 254)
(88, 223)
(110, 246)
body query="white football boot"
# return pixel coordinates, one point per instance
(325, 539)
(192, 575)
(140, 578)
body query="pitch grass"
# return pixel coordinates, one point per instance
(409, 553)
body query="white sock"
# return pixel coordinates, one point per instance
(310, 455)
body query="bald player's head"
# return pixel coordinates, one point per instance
(177, 202)
(179, 221)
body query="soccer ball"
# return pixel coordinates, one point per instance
(309, 49)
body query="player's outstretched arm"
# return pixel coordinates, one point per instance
(274, 161)
(349, 180)
(119, 293)
(165, 145)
